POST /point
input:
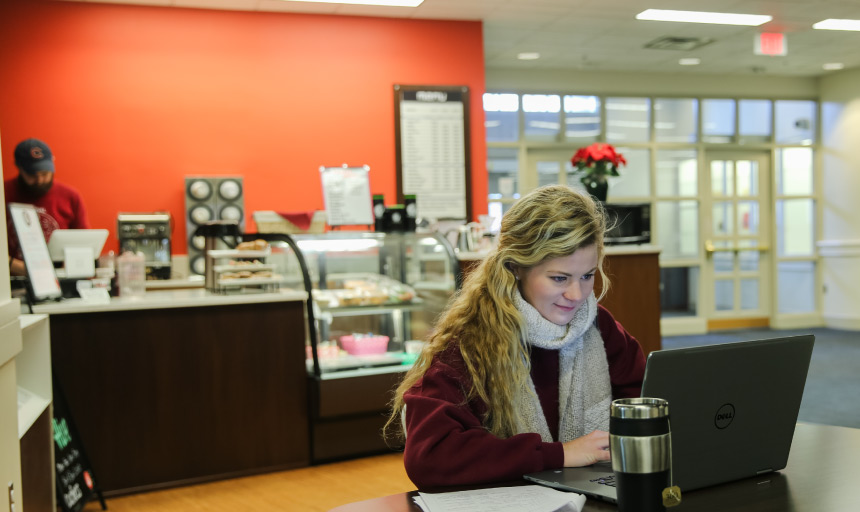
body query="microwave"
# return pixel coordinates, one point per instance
(628, 223)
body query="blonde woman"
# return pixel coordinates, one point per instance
(523, 364)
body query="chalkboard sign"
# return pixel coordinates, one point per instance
(75, 481)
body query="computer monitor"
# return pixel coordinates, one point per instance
(67, 238)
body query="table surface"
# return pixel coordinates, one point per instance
(822, 475)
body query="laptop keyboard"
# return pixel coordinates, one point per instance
(605, 480)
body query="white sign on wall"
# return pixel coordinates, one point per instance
(346, 192)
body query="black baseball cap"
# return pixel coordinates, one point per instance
(33, 155)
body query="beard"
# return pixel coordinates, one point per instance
(35, 190)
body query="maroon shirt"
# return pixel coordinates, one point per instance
(60, 208)
(446, 443)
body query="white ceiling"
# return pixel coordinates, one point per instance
(603, 35)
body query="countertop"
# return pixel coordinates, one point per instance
(160, 299)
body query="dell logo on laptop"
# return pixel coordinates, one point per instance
(724, 417)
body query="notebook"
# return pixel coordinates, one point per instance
(732, 411)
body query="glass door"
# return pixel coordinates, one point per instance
(546, 167)
(737, 234)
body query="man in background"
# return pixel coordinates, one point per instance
(59, 206)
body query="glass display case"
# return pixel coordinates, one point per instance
(375, 296)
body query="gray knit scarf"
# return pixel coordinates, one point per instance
(585, 392)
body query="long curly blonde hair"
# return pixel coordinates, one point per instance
(550, 222)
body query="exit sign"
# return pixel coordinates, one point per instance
(770, 43)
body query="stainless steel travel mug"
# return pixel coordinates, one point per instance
(640, 443)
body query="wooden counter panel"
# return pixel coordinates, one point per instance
(169, 396)
(634, 296)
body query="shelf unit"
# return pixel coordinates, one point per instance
(35, 395)
(220, 283)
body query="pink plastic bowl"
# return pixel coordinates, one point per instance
(365, 345)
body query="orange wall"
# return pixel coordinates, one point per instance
(132, 99)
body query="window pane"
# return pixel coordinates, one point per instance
(677, 173)
(582, 118)
(748, 260)
(755, 116)
(628, 119)
(724, 262)
(678, 229)
(541, 116)
(795, 122)
(722, 218)
(501, 117)
(794, 227)
(679, 291)
(635, 179)
(747, 177)
(676, 120)
(548, 173)
(718, 120)
(794, 171)
(496, 210)
(503, 171)
(796, 286)
(748, 218)
(831, 112)
(722, 177)
(724, 294)
(749, 293)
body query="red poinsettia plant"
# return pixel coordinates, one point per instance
(596, 162)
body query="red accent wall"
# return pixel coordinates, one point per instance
(132, 99)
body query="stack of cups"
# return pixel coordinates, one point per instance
(641, 446)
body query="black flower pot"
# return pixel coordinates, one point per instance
(597, 189)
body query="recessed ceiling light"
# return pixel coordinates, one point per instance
(690, 61)
(834, 24)
(718, 18)
(387, 3)
(833, 66)
(528, 56)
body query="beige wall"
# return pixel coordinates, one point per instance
(840, 182)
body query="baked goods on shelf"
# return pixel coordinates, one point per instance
(363, 290)
(253, 245)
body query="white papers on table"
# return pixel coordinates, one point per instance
(534, 498)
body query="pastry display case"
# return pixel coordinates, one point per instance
(373, 299)
(372, 293)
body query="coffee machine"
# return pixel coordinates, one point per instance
(150, 234)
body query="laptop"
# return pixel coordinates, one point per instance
(732, 411)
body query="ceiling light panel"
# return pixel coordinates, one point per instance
(835, 24)
(716, 18)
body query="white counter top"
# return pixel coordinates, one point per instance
(632, 249)
(160, 299)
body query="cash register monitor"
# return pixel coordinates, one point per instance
(68, 238)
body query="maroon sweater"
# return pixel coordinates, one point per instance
(446, 443)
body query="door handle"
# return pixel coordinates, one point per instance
(710, 248)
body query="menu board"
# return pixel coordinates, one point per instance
(43, 281)
(433, 157)
(346, 192)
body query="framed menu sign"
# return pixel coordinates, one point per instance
(432, 149)
(43, 281)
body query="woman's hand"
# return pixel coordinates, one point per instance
(586, 450)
